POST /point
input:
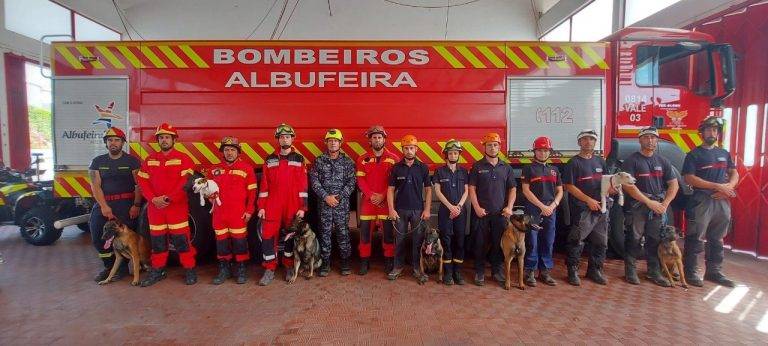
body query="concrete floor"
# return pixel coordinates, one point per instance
(47, 296)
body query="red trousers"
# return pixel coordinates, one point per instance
(170, 225)
(231, 235)
(271, 232)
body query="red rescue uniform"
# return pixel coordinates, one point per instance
(237, 192)
(165, 174)
(283, 193)
(372, 177)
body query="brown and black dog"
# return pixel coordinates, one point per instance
(670, 255)
(513, 246)
(125, 244)
(431, 255)
(306, 248)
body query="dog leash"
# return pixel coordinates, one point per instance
(394, 226)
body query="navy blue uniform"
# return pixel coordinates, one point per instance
(543, 180)
(707, 218)
(586, 175)
(409, 183)
(118, 185)
(452, 231)
(492, 184)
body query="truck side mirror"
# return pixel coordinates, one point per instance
(728, 70)
(658, 122)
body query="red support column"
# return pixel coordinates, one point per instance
(18, 114)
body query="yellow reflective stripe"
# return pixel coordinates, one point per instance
(221, 231)
(82, 192)
(313, 148)
(492, 57)
(533, 56)
(193, 56)
(174, 162)
(130, 56)
(458, 261)
(519, 63)
(575, 57)
(237, 230)
(430, 153)
(595, 57)
(367, 217)
(87, 53)
(212, 158)
(267, 147)
(157, 227)
(360, 173)
(551, 52)
(695, 138)
(442, 146)
(383, 217)
(179, 225)
(110, 57)
(188, 171)
(67, 55)
(470, 148)
(447, 261)
(60, 190)
(252, 186)
(263, 194)
(139, 150)
(357, 148)
(180, 147)
(155, 147)
(251, 153)
(388, 160)
(105, 255)
(142, 174)
(471, 57)
(398, 146)
(238, 172)
(448, 57)
(153, 163)
(172, 56)
(680, 142)
(152, 57)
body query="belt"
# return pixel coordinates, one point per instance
(119, 196)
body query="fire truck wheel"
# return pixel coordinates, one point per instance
(36, 226)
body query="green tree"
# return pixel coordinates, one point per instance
(39, 128)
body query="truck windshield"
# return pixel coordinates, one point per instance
(676, 66)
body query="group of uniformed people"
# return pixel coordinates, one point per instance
(396, 196)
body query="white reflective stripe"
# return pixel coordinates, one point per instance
(263, 194)
(269, 257)
(288, 254)
(303, 194)
(272, 164)
(294, 163)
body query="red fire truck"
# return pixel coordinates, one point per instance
(436, 90)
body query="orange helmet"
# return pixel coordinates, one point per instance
(408, 140)
(113, 132)
(374, 130)
(542, 143)
(491, 137)
(165, 129)
(229, 142)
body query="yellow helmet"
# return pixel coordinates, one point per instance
(334, 134)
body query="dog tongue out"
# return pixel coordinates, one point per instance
(108, 243)
(429, 249)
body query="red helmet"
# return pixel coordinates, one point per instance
(113, 132)
(165, 129)
(542, 143)
(374, 130)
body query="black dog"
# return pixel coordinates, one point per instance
(431, 255)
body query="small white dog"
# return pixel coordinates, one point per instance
(207, 189)
(615, 181)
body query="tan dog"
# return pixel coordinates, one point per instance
(513, 246)
(670, 255)
(306, 249)
(125, 244)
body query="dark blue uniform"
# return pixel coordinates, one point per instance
(452, 231)
(118, 185)
(492, 184)
(543, 180)
(409, 183)
(707, 218)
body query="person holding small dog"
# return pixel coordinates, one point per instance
(409, 198)
(646, 207)
(282, 197)
(237, 192)
(713, 176)
(543, 189)
(162, 178)
(113, 183)
(582, 177)
(450, 184)
(492, 189)
(332, 178)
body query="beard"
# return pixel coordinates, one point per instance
(377, 147)
(710, 140)
(285, 146)
(410, 158)
(166, 147)
(115, 151)
(453, 162)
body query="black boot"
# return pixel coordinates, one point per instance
(595, 273)
(448, 274)
(155, 275)
(389, 264)
(364, 266)
(223, 273)
(325, 269)
(457, 277)
(240, 273)
(718, 278)
(530, 278)
(547, 278)
(109, 262)
(573, 275)
(345, 269)
(190, 276)
(654, 273)
(630, 271)
(267, 278)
